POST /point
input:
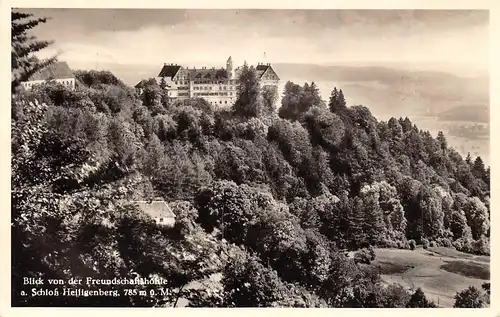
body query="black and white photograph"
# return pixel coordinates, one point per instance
(224, 158)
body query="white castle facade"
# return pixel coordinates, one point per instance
(216, 86)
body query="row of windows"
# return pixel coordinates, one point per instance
(64, 82)
(212, 94)
(183, 94)
(197, 82)
(220, 102)
(210, 88)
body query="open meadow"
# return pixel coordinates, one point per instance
(440, 272)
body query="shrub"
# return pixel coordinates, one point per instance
(412, 244)
(394, 296)
(433, 244)
(445, 242)
(402, 244)
(418, 300)
(469, 298)
(481, 246)
(464, 245)
(425, 243)
(364, 256)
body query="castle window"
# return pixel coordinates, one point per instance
(225, 101)
(220, 101)
(161, 219)
(230, 93)
(176, 82)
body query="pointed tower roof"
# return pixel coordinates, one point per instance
(229, 60)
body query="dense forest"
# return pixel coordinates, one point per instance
(271, 197)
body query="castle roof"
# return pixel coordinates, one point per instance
(156, 209)
(205, 73)
(58, 70)
(262, 67)
(169, 70)
(259, 70)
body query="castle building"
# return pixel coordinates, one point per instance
(58, 72)
(216, 86)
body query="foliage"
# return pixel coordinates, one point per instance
(418, 300)
(298, 100)
(425, 243)
(23, 46)
(412, 244)
(364, 256)
(469, 298)
(247, 103)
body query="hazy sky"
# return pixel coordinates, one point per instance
(197, 37)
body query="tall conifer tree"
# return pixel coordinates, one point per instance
(23, 46)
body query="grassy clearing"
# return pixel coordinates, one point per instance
(468, 269)
(389, 268)
(440, 272)
(452, 253)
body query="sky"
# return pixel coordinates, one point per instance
(449, 40)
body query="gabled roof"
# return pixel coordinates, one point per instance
(155, 208)
(262, 67)
(169, 70)
(211, 73)
(58, 70)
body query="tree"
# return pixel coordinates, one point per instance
(310, 97)
(341, 99)
(443, 144)
(478, 168)
(290, 103)
(269, 96)
(468, 159)
(333, 104)
(314, 95)
(470, 297)
(418, 300)
(248, 90)
(163, 83)
(24, 64)
(477, 217)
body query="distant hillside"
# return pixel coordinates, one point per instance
(389, 91)
(466, 113)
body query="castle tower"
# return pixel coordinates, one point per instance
(229, 68)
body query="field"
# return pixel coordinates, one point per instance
(440, 272)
